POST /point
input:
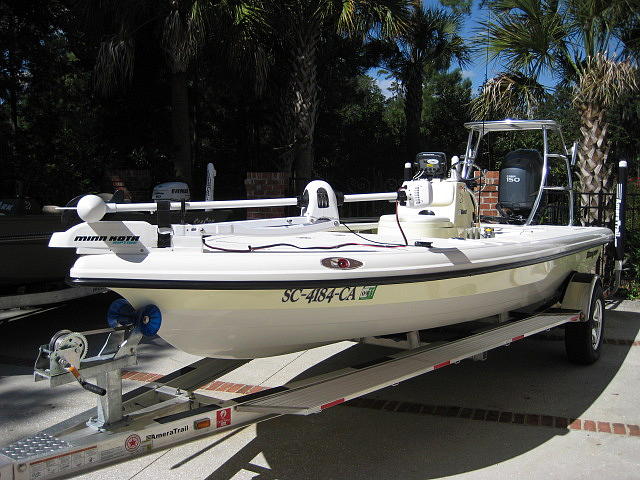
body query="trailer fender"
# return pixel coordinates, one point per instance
(578, 294)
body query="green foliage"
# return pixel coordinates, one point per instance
(623, 130)
(51, 147)
(351, 138)
(394, 119)
(569, 39)
(446, 98)
(631, 278)
(458, 6)
(446, 108)
(429, 44)
(67, 135)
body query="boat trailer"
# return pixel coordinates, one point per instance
(169, 411)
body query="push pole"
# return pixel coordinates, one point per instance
(619, 228)
(209, 188)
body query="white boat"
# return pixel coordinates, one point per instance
(258, 288)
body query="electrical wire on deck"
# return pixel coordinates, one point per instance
(250, 248)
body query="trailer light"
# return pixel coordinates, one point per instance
(202, 423)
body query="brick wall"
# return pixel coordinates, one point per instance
(135, 183)
(489, 193)
(266, 185)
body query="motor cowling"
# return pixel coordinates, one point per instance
(174, 191)
(520, 178)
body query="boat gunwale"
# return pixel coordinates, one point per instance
(118, 283)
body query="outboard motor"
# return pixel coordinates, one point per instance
(520, 178)
(174, 191)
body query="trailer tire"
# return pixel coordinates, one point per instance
(583, 340)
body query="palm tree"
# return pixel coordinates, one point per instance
(570, 39)
(427, 45)
(179, 29)
(299, 29)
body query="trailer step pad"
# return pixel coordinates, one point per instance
(303, 398)
(36, 445)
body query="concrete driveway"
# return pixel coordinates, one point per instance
(525, 412)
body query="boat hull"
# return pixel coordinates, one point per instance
(255, 322)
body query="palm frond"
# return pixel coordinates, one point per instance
(114, 63)
(508, 95)
(604, 80)
(628, 29)
(528, 36)
(376, 18)
(458, 6)
(430, 40)
(240, 33)
(183, 32)
(595, 22)
(347, 16)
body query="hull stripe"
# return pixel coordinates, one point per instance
(336, 282)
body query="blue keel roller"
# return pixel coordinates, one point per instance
(149, 320)
(120, 312)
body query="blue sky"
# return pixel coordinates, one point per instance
(475, 71)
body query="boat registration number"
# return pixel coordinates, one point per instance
(328, 295)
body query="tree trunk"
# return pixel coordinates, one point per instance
(413, 113)
(284, 131)
(594, 173)
(13, 104)
(13, 81)
(180, 126)
(305, 98)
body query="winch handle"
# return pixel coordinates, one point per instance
(83, 383)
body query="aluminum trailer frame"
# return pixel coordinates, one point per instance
(168, 412)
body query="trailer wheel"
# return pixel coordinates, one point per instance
(583, 340)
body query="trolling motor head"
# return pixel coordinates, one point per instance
(91, 208)
(319, 202)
